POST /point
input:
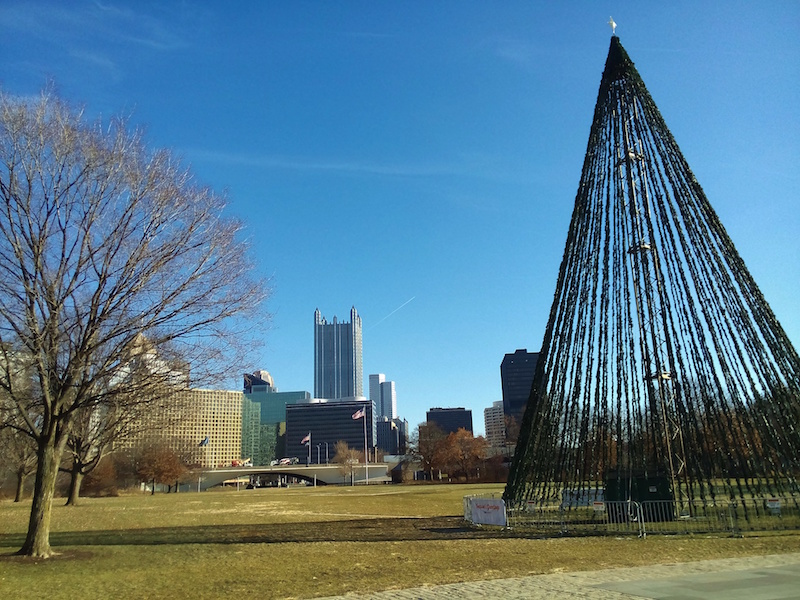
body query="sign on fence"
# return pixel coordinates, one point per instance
(488, 511)
(774, 506)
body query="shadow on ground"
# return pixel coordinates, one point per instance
(360, 530)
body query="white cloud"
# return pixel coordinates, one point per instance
(80, 24)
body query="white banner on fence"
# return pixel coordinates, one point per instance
(488, 511)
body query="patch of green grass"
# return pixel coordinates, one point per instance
(308, 542)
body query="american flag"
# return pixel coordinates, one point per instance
(358, 414)
(306, 439)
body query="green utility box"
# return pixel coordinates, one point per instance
(652, 492)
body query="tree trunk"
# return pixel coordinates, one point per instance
(21, 475)
(76, 479)
(37, 542)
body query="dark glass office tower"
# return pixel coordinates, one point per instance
(327, 423)
(450, 420)
(516, 374)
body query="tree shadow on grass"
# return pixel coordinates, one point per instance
(359, 530)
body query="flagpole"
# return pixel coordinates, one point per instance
(366, 453)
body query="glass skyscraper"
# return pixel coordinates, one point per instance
(450, 420)
(269, 441)
(384, 395)
(338, 371)
(516, 374)
(327, 423)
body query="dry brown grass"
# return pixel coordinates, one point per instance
(308, 543)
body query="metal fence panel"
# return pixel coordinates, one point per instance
(665, 517)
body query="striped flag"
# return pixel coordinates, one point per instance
(306, 439)
(359, 414)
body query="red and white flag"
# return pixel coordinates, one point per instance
(306, 439)
(359, 414)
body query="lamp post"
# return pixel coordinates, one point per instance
(318, 446)
(326, 452)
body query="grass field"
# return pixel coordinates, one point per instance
(308, 542)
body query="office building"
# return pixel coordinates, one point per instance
(392, 435)
(205, 427)
(328, 423)
(494, 424)
(338, 371)
(516, 375)
(450, 420)
(383, 394)
(375, 381)
(259, 388)
(402, 427)
(388, 407)
(251, 430)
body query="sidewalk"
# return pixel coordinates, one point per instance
(773, 577)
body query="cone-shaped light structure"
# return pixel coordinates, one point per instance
(661, 358)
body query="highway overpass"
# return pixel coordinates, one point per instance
(324, 474)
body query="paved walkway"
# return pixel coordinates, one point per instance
(773, 577)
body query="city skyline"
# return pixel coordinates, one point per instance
(422, 164)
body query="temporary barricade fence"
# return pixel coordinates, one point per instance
(641, 518)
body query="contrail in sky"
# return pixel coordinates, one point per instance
(394, 311)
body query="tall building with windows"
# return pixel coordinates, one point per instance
(450, 420)
(392, 435)
(494, 423)
(259, 388)
(388, 406)
(375, 381)
(383, 394)
(338, 371)
(205, 427)
(325, 423)
(516, 374)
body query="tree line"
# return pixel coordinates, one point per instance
(153, 464)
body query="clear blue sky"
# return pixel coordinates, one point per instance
(419, 160)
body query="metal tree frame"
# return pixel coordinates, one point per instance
(661, 361)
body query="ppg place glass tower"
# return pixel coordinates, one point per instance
(338, 371)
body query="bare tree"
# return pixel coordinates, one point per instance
(427, 447)
(100, 428)
(346, 458)
(512, 430)
(17, 447)
(18, 453)
(93, 432)
(113, 262)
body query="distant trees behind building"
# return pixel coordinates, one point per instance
(457, 456)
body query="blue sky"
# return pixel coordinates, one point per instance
(420, 160)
